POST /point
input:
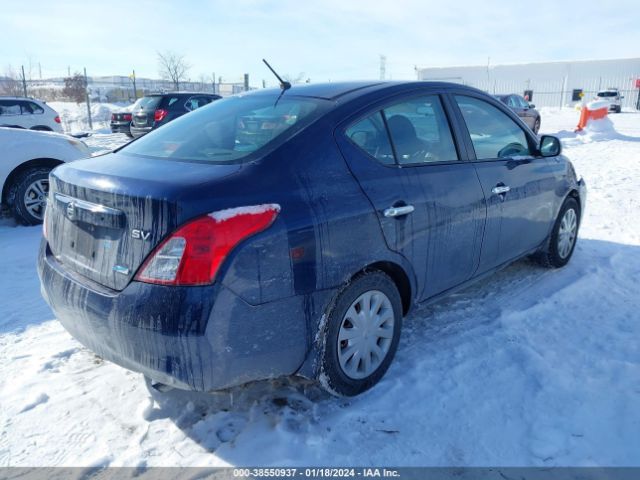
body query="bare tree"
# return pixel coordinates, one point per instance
(10, 83)
(75, 88)
(173, 67)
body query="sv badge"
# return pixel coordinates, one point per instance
(140, 234)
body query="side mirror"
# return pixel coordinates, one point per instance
(550, 146)
(531, 105)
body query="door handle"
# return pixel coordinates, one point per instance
(500, 189)
(399, 211)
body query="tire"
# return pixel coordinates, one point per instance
(41, 128)
(536, 126)
(34, 184)
(345, 371)
(557, 253)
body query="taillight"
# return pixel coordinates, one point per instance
(57, 119)
(126, 117)
(193, 254)
(159, 114)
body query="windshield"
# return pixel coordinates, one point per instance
(230, 129)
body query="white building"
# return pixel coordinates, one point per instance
(552, 83)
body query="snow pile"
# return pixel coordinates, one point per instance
(75, 118)
(528, 367)
(228, 213)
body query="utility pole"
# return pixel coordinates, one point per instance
(213, 82)
(24, 82)
(40, 70)
(86, 93)
(383, 67)
(135, 92)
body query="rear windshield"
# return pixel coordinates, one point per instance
(147, 103)
(230, 129)
(607, 94)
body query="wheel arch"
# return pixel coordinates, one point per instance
(23, 167)
(399, 278)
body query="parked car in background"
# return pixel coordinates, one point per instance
(206, 256)
(612, 97)
(27, 158)
(153, 111)
(525, 110)
(29, 113)
(121, 122)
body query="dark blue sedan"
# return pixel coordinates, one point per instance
(288, 232)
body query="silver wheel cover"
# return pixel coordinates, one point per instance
(567, 233)
(365, 334)
(35, 198)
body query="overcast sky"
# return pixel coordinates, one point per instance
(325, 40)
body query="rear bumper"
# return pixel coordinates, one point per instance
(120, 127)
(140, 131)
(194, 338)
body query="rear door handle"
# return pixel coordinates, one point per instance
(399, 211)
(500, 189)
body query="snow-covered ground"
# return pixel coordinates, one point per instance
(528, 367)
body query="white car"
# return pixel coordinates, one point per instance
(21, 112)
(27, 158)
(612, 97)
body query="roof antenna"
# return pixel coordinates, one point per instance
(284, 85)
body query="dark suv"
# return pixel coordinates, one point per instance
(153, 111)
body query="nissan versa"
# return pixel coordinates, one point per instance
(289, 231)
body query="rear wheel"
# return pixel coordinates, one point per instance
(361, 334)
(563, 237)
(28, 195)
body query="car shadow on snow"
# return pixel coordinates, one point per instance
(21, 304)
(299, 406)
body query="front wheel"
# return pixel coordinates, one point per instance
(563, 237)
(361, 334)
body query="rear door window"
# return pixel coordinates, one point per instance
(493, 133)
(420, 131)
(170, 101)
(29, 108)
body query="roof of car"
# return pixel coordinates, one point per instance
(327, 91)
(160, 94)
(10, 97)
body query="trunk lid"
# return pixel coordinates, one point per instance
(105, 215)
(142, 115)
